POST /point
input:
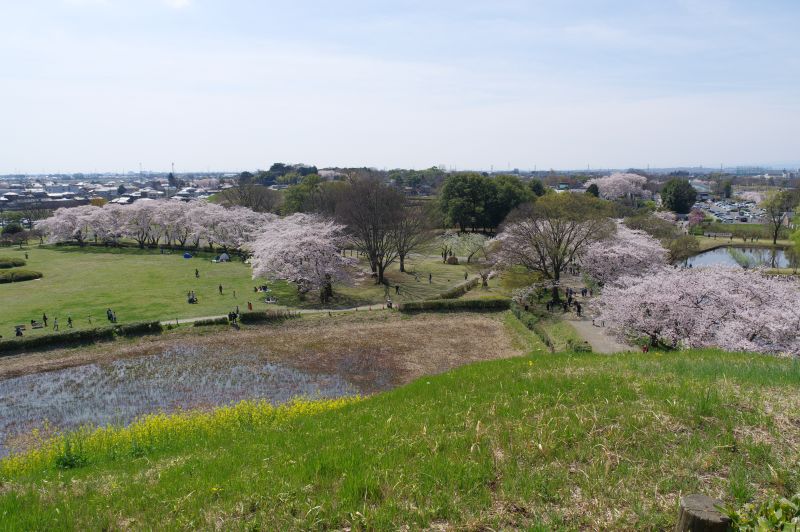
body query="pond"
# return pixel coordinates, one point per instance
(120, 391)
(741, 256)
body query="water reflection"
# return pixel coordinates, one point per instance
(743, 257)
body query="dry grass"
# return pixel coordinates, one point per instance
(374, 350)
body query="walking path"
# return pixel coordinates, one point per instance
(299, 311)
(598, 337)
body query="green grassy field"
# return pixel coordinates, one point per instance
(138, 285)
(146, 285)
(541, 442)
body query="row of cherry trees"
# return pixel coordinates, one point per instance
(735, 309)
(151, 223)
(303, 249)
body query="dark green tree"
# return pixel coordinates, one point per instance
(462, 200)
(537, 187)
(505, 192)
(678, 195)
(594, 190)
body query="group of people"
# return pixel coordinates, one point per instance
(570, 301)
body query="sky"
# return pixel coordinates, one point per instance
(107, 85)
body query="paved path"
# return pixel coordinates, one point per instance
(299, 311)
(598, 337)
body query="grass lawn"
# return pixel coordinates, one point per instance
(540, 442)
(707, 243)
(138, 285)
(146, 285)
(561, 333)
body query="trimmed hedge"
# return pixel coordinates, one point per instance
(78, 337)
(8, 262)
(459, 290)
(531, 321)
(64, 339)
(450, 305)
(139, 328)
(265, 316)
(212, 321)
(16, 276)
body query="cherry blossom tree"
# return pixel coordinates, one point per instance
(734, 309)
(619, 185)
(303, 249)
(696, 217)
(66, 224)
(627, 253)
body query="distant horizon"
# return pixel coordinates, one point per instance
(791, 167)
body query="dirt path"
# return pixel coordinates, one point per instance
(598, 337)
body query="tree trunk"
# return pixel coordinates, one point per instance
(402, 263)
(698, 513)
(380, 274)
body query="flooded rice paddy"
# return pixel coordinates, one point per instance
(117, 392)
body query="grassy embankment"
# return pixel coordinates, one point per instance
(545, 441)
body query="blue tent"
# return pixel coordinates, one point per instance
(187, 255)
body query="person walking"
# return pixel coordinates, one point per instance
(397, 289)
(108, 315)
(44, 319)
(234, 294)
(55, 324)
(69, 322)
(249, 306)
(220, 289)
(578, 308)
(196, 273)
(430, 278)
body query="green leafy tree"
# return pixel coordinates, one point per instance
(303, 196)
(537, 187)
(678, 195)
(594, 190)
(776, 206)
(727, 188)
(505, 192)
(463, 200)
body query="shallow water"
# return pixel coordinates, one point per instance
(120, 391)
(769, 257)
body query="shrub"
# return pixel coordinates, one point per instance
(452, 260)
(440, 305)
(774, 514)
(16, 276)
(8, 262)
(211, 321)
(139, 328)
(68, 338)
(459, 290)
(264, 316)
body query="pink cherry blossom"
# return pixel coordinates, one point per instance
(627, 253)
(619, 185)
(732, 309)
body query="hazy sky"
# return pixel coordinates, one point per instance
(235, 84)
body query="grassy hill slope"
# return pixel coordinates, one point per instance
(548, 441)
